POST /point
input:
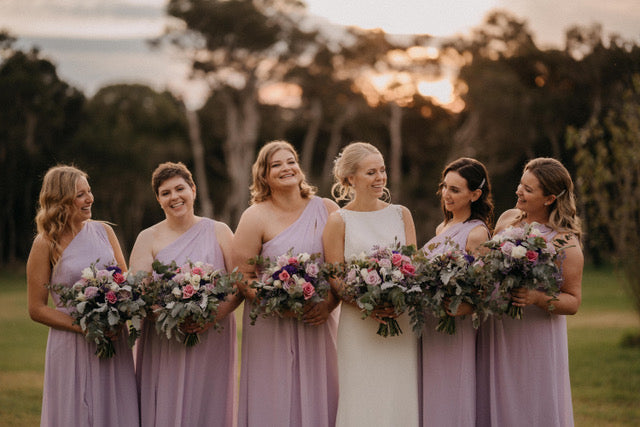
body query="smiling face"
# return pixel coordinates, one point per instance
(456, 196)
(283, 170)
(371, 177)
(176, 197)
(83, 201)
(531, 198)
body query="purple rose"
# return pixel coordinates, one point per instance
(90, 292)
(372, 278)
(312, 270)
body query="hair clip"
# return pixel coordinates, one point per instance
(481, 184)
(561, 193)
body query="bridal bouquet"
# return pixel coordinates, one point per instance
(189, 295)
(520, 257)
(383, 277)
(448, 279)
(102, 302)
(288, 283)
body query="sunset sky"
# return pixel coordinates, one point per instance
(97, 42)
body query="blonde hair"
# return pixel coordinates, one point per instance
(56, 206)
(260, 190)
(555, 180)
(346, 165)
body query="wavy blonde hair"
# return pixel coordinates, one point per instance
(56, 206)
(260, 190)
(555, 180)
(346, 165)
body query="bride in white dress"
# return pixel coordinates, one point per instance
(378, 376)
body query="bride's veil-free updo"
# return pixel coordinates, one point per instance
(346, 165)
(56, 207)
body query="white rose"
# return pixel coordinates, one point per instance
(177, 292)
(397, 275)
(195, 281)
(304, 257)
(87, 273)
(277, 284)
(300, 280)
(518, 252)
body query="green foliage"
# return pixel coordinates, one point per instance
(608, 169)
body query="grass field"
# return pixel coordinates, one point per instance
(605, 375)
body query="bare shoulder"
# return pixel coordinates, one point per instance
(40, 245)
(506, 219)
(335, 218)
(108, 229)
(222, 230)
(406, 213)
(330, 205)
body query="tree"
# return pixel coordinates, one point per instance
(39, 114)
(128, 131)
(608, 181)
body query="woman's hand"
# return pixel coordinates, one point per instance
(463, 309)
(522, 297)
(191, 327)
(381, 312)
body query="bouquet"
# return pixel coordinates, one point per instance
(189, 294)
(383, 277)
(447, 279)
(288, 283)
(101, 302)
(520, 257)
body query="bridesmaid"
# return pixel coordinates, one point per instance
(79, 388)
(378, 375)
(178, 385)
(449, 361)
(523, 365)
(289, 372)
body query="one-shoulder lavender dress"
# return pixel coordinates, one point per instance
(448, 362)
(189, 386)
(289, 374)
(523, 369)
(79, 387)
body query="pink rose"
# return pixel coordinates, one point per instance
(118, 278)
(408, 269)
(308, 290)
(372, 278)
(198, 271)
(396, 259)
(532, 255)
(90, 292)
(312, 270)
(188, 291)
(507, 247)
(111, 297)
(284, 275)
(293, 260)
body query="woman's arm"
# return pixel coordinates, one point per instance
(141, 257)
(246, 244)
(225, 239)
(38, 277)
(115, 245)
(409, 227)
(570, 297)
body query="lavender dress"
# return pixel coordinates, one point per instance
(523, 369)
(193, 386)
(448, 362)
(80, 388)
(289, 373)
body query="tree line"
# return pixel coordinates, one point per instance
(519, 101)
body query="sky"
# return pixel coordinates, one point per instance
(98, 42)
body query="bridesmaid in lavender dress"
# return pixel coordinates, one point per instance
(378, 375)
(79, 388)
(523, 365)
(179, 385)
(288, 371)
(448, 362)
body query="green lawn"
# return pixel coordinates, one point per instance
(605, 376)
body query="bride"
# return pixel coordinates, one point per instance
(378, 377)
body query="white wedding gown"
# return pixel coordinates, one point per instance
(378, 376)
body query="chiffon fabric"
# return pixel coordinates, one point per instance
(523, 369)
(79, 387)
(378, 375)
(448, 362)
(289, 374)
(189, 386)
